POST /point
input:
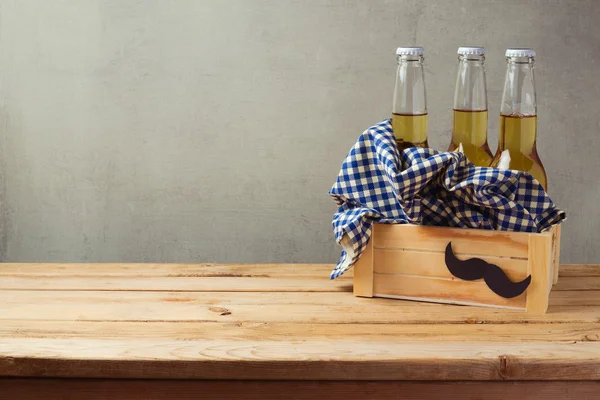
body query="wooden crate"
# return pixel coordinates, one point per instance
(408, 262)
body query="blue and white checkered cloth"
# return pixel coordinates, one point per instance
(377, 183)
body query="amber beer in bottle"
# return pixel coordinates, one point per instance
(470, 117)
(409, 111)
(518, 116)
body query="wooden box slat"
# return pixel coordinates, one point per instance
(439, 290)
(476, 242)
(392, 261)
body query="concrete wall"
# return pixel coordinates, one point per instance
(191, 130)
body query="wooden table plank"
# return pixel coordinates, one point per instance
(340, 308)
(579, 270)
(577, 283)
(209, 270)
(178, 284)
(167, 270)
(101, 389)
(290, 283)
(302, 331)
(336, 359)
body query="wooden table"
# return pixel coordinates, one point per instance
(155, 331)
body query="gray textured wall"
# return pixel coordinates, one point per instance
(195, 130)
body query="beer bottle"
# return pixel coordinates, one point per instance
(470, 116)
(518, 115)
(409, 111)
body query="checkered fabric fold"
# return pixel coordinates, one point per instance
(377, 183)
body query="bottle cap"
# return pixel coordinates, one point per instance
(471, 50)
(520, 52)
(410, 51)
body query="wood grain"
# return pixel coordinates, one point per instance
(556, 234)
(477, 242)
(442, 290)
(100, 389)
(165, 270)
(474, 331)
(224, 284)
(363, 271)
(271, 307)
(577, 283)
(41, 270)
(332, 359)
(122, 323)
(539, 266)
(579, 270)
(179, 284)
(433, 264)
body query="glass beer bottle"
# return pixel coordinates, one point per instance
(470, 117)
(518, 116)
(409, 110)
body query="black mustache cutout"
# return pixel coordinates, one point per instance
(494, 277)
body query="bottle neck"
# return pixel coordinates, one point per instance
(519, 97)
(518, 118)
(470, 93)
(409, 92)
